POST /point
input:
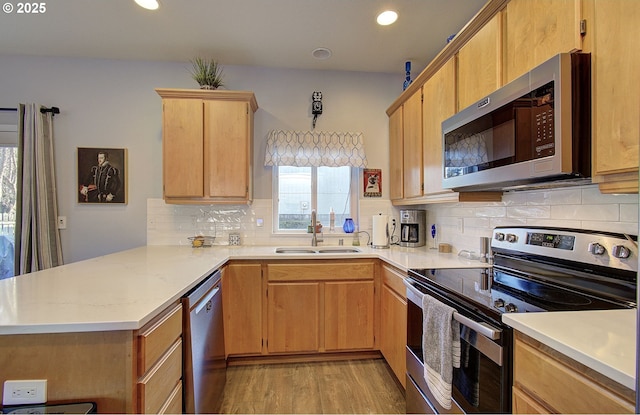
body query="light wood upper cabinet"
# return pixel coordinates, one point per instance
(439, 103)
(207, 145)
(242, 308)
(182, 146)
(412, 145)
(480, 64)
(615, 61)
(228, 143)
(535, 31)
(396, 179)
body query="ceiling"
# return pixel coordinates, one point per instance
(270, 33)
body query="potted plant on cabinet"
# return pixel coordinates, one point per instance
(207, 73)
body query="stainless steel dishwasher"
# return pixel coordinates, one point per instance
(204, 364)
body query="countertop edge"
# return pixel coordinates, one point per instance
(568, 349)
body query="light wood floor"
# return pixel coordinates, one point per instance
(343, 387)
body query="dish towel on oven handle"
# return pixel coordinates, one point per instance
(440, 348)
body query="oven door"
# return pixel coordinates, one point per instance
(483, 381)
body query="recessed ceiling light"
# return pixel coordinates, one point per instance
(387, 17)
(321, 53)
(148, 4)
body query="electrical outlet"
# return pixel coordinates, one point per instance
(20, 392)
(460, 225)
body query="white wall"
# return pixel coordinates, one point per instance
(111, 103)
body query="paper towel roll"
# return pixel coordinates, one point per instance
(380, 230)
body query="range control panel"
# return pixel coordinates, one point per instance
(551, 240)
(606, 249)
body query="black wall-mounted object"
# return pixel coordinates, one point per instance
(316, 106)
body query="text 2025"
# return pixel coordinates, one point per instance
(31, 8)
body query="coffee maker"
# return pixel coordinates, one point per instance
(413, 224)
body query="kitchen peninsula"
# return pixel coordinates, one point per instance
(106, 328)
(82, 325)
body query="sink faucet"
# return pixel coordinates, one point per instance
(314, 223)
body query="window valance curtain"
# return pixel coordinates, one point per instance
(315, 149)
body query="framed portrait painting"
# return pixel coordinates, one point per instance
(102, 175)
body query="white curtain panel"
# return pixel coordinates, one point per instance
(315, 149)
(37, 236)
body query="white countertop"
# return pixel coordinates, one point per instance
(603, 340)
(123, 291)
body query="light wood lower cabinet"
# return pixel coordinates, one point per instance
(348, 315)
(293, 317)
(160, 362)
(126, 371)
(318, 306)
(242, 308)
(545, 381)
(393, 321)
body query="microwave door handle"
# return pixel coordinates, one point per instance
(484, 329)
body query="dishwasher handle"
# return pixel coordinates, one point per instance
(207, 301)
(204, 290)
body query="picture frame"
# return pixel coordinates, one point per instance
(102, 175)
(372, 182)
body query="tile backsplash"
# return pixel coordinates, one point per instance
(459, 224)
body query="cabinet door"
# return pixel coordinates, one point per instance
(616, 106)
(182, 146)
(242, 308)
(412, 145)
(227, 148)
(525, 404)
(395, 155)
(479, 64)
(439, 103)
(562, 383)
(393, 332)
(531, 41)
(348, 311)
(293, 317)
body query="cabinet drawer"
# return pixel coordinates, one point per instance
(347, 270)
(157, 385)
(173, 405)
(155, 339)
(561, 386)
(393, 278)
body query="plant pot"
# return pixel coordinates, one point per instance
(208, 87)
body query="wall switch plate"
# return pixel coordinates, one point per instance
(62, 222)
(21, 392)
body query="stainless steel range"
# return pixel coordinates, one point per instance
(534, 270)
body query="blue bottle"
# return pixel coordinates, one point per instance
(407, 80)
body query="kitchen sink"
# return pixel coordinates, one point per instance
(338, 250)
(295, 250)
(322, 250)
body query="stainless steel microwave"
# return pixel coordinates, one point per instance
(533, 132)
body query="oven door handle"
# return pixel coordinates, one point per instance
(480, 327)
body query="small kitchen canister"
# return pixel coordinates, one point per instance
(234, 239)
